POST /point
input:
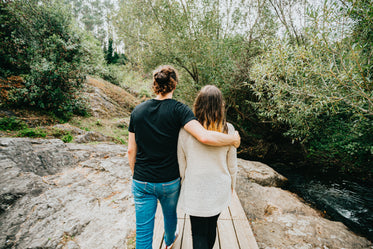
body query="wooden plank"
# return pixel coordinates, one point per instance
(181, 226)
(158, 228)
(225, 215)
(187, 242)
(227, 235)
(234, 231)
(236, 209)
(245, 236)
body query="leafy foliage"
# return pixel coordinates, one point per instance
(322, 92)
(41, 45)
(67, 138)
(307, 77)
(361, 12)
(93, 16)
(32, 132)
(205, 39)
(11, 124)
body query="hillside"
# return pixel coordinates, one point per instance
(107, 100)
(109, 110)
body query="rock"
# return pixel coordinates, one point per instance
(40, 156)
(71, 245)
(69, 128)
(108, 100)
(78, 196)
(76, 206)
(122, 123)
(280, 219)
(92, 136)
(260, 173)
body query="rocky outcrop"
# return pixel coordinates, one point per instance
(82, 136)
(280, 219)
(78, 196)
(108, 100)
(260, 173)
(56, 195)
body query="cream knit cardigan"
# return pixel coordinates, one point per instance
(208, 175)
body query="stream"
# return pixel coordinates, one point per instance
(341, 200)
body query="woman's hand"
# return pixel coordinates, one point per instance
(237, 141)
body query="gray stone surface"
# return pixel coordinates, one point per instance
(260, 173)
(78, 196)
(56, 195)
(281, 219)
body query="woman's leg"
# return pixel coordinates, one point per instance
(199, 232)
(168, 194)
(145, 206)
(212, 230)
(203, 231)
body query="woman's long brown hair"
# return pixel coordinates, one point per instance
(209, 109)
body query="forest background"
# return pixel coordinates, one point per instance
(296, 74)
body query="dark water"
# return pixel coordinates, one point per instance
(342, 200)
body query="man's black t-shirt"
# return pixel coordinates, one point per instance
(156, 124)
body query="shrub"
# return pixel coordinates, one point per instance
(67, 138)
(40, 44)
(11, 124)
(32, 132)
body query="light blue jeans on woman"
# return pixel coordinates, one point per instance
(146, 195)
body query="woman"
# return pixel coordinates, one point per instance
(152, 154)
(208, 173)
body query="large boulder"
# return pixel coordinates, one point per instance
(56, 195)
(260, 173)
(281, 219)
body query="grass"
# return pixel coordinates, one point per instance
(135, 80)
(113, 127)
(67, 138)
(112, 123)
(16, 127)
(11, 124)
(32, 132)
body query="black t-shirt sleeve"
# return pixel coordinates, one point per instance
(131, 127)
(183, 113)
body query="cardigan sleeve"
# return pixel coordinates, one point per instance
(232, 159)
(181, 155)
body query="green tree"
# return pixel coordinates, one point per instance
(361, 12)
(320, 91)
(110, 52)
(92, 16)
(50, 51)
(210, 41)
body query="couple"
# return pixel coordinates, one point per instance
(163, 146)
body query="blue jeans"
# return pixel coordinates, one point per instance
(146, 195)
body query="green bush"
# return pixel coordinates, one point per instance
(32, 132)
(342, 141)
(40, 37)
(11, 124)
(321, 95)
(67, 138)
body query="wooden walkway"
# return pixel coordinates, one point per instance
(234, 231)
